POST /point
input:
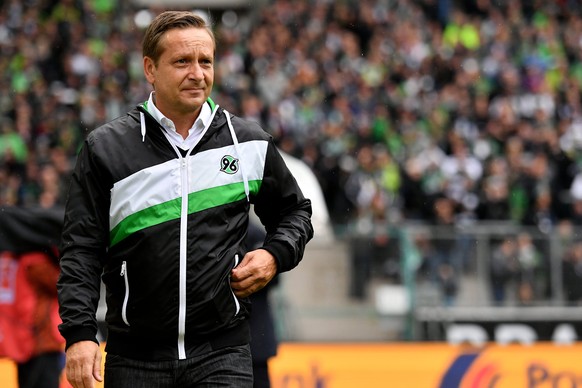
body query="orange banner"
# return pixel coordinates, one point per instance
(427, 365)
(417, 365)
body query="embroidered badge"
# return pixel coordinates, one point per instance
(229, 164)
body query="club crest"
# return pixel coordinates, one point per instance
(229, 164)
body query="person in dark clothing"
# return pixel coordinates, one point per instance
(572, 274)
(157, 210)
(28, 294)
(503, 270)
(263, 337)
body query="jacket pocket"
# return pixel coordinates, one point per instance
(124, 274)
(236, 302)
(219, 309)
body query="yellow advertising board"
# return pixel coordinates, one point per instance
(413, 365)
(427, 365)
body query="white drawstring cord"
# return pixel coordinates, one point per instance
(234, 139)
(239, 154)
(143, 126)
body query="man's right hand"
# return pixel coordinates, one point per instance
(83, 364)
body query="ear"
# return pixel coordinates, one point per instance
(149, 68)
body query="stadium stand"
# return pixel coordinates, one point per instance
(437, 130)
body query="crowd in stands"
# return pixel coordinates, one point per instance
(398, 106)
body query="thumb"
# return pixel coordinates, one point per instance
(97, 366)
(243, 263)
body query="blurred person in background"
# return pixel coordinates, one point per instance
(530, 265)
(572, 273)
(28, 295)
(504, 269)
(158, 208)
(263, 335)
(444, 238)
(28, 298)
(449, 283)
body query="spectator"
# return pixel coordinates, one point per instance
(370, 246)
(264, 340)
(449, 284)
(28, 295)
(504, 270)
(572, 273)
(36, 281)
(443, 240)
(529, 259)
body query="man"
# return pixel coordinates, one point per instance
(159, 205)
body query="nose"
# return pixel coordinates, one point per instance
(196, 72)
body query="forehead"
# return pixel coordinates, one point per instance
(187, 39)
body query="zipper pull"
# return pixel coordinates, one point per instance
(123, 268)
(236, 260)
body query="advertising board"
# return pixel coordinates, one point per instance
(418, 365)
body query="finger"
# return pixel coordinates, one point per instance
(74, 374)
(97, 367)
(242, 293)
(239, 275)
(241, 288)
(248, 286)
(88, 379)
(240, 285)
(243, 271)
(69, 372)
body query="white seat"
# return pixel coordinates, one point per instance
(459, 333)
(515, 332)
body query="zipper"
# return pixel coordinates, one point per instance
(183, 261)
(236, 302)
(183, 240)
(126, 298)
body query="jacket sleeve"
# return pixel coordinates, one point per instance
(83, 245)
(284, 211)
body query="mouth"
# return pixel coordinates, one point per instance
(193, 88)
(192, 92)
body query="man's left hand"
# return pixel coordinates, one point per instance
(255, 270)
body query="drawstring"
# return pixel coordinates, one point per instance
(234, 139)
(237, 149)
(143, 126)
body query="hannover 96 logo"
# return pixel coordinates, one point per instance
(229, 164)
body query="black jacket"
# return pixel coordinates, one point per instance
(164, 229)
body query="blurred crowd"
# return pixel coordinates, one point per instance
(433, 111)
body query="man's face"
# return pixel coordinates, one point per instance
(184, 74)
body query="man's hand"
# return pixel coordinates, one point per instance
(83, 364)
(255, 270)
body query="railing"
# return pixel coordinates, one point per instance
(473, 256)
(478, 273)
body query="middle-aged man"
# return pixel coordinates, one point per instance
(158, 209)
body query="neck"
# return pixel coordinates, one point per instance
(182, 121)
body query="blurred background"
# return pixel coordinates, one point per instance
(440, 140)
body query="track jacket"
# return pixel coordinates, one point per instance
(164, 227)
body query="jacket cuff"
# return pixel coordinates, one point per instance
(78, 335)
(281, 253)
